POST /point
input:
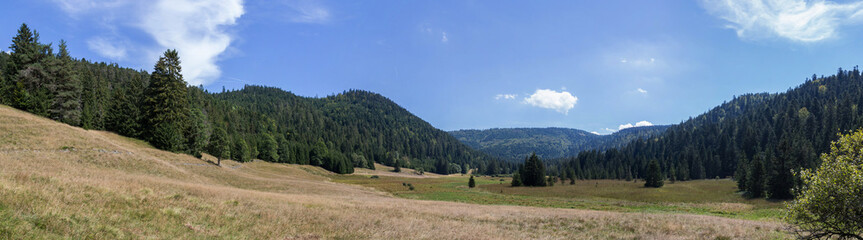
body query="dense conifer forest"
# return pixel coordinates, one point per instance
(759, 139)
(339, 132)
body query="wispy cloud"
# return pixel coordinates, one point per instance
(797, 20)
(505, 96)
(196, 28)
(443, 38)
(640, 90)
(309, 11)
(561, 101)
(638, 124)
(110, 49)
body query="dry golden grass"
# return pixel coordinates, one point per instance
(58, 181)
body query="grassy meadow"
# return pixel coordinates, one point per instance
(706, 197)
(62, 182)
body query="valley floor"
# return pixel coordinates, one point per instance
(58, 181)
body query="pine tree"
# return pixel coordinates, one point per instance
(66, 105)
(471, 183)
(241, 150)
(533, 172)
(654, 175)
(268, 148)
(197, 132)
(219, 145)
(516, 180)
(755, 177)
(165, 103)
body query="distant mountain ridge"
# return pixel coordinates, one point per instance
(516, 143)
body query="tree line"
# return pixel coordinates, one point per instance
(338, 132)
(758, 139)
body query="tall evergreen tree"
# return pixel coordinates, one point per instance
(166, 106)
(755, 177)
(219, 145)
(654, 175)
(533, 172)
(471, 183)
(66, 105)
(241, 151)
(268, 148)
(197, 132)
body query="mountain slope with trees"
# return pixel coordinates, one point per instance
(759, 139)
(517, 143)
(338, 132)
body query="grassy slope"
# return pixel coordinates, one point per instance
(60, 181)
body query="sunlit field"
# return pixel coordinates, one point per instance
(59, 181)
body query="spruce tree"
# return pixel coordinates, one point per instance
(654, 175)
(516, 180)
(471, 183)
(268, 148)
(241, 150)
(197, 132)
(166, 104)
(66, 106)
(533, 172)
(755, 177)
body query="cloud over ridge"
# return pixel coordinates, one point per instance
(561, 101)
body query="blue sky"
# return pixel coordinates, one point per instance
(592, 65)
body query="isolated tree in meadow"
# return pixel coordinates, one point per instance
(166, 104)
(471, 183)
(654, 175)
(397, 166)
(533, 172)
(830, 202)
(219, 145)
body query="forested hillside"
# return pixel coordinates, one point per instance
(518, 143)
(339, 132)
(757, 138)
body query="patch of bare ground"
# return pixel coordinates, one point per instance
(58, 181)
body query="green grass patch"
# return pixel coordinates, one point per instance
(705, 197)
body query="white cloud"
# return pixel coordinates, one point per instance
(444, 39)
(797, 20)
(595, 133)
(309, 12)
(109, 49)
(623, 60)
(196, 28)
(641, 90)
(561, 102)
(505, 96)
(638, 124)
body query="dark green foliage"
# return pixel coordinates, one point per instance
(66, 106)
(516, 180)
(268, 148)
(219, 145)
(397, 166)
(471, 183)
(197, 132)
(165, 104)
(532, 172)
(515, 143)
(755, 177)
(654, 175)
(789, 129)
(241, 152)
